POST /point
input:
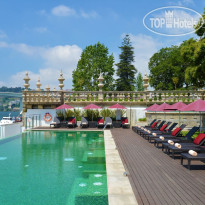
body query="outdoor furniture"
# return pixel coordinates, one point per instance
(172, 150)
(56, 123)
(160, 127)
(92, 124)
(187, 137)
(108, 122)
(71, 122)
(199, 157)
(84, 122)
(125, 123)
(100, 122)
(174, 134)
(185, 147)
(116, 124)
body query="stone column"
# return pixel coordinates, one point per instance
(47, 88)
(146, 82)
(26, 79)
(61, 79)
(100, 85)
(38, 84)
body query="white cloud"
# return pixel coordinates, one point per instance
(92, 14)
(144, 47)
(182, 3)
(63, 57)
(62, 10)
(41, 29)
(3, 34)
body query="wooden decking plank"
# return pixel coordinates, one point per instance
(168, 198)
(175, 184)
(163, 201)
(140, 188)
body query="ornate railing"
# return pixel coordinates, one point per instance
(148, 97)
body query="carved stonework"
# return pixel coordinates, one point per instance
(61, 79)
(146, 82)
(26, 84)
(38, 84)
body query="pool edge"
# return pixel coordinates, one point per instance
(119, 188)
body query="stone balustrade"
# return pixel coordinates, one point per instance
(40, 99)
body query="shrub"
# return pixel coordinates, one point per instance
(142, 119)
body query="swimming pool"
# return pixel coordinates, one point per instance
(53, 167)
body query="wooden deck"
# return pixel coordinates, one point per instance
(155, 177)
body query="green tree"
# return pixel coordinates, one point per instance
(200, 27)
(95, 59)
(163, 66)
(125, 69)
(175, 81)
(193, 54)
(139, 82)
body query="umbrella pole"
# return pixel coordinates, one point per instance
(179, 118)
(200, 120)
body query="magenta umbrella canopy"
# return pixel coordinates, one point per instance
(162, 107)
(152, 107)
(176, 106)
(91, 107)
(117, 106)
(198, 106)
(64, 106)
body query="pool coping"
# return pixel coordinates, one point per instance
(119, 188)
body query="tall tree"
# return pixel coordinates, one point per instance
(95, 59)
(139, 82)
(163, 66)
(193, 54)
(200, 27)
(125, 69)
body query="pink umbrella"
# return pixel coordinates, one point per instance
(117, 106)
(92, 107)
(197, 106)
(152, 107)
(176, 106)
(64, 106)
(162, 107)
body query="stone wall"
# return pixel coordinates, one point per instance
(189, 118)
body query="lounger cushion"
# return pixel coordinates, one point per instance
(101, 121)
(71, 121)
(154, 124)
(163, 127)
(174, 133)
(199, 139)
(125, 121)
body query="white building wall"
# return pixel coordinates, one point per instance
(41, 113)
(136, 113)
(10, 130)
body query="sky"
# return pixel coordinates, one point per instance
(43, 37)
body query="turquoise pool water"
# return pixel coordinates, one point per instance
(53, 168)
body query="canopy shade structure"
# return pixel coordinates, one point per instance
(64, 106)
(176, 106)
(162, 107)
(198, 106)
(117, 106)
(92, 107)
(152, 107)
